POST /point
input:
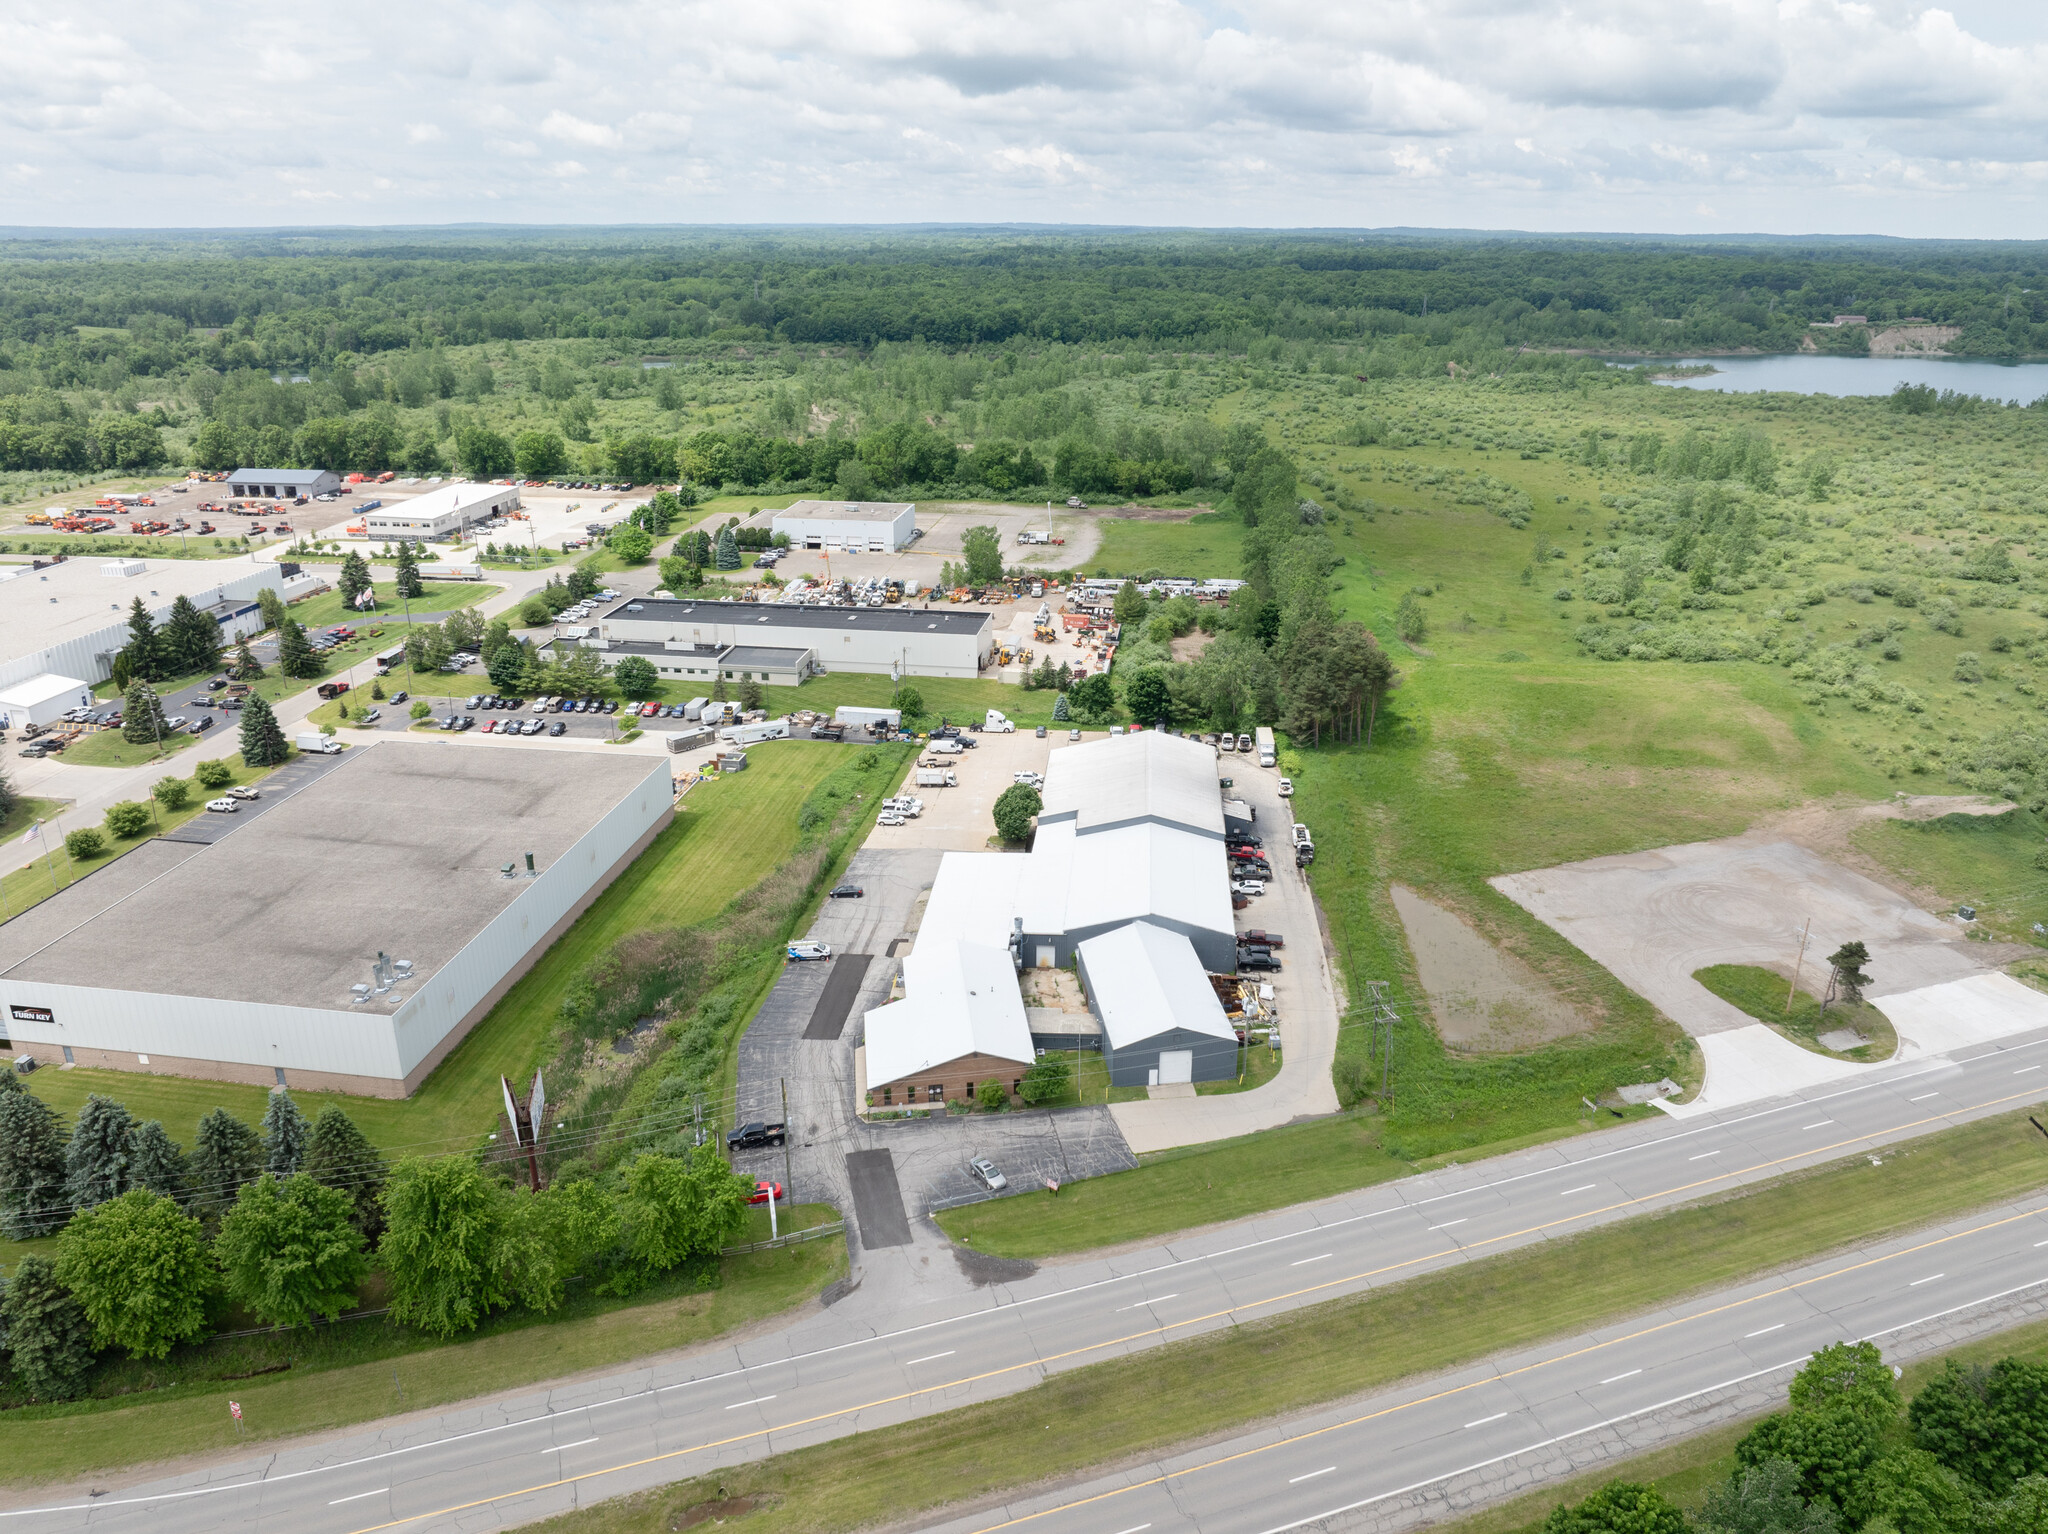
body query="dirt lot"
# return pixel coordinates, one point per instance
(1481, 998)
(943, 524)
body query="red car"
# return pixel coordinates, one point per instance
(763, 1191)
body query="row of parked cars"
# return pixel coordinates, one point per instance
(460, 722)
(903, 807)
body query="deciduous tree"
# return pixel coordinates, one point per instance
(673, 1209)
(1015, 809)
(440, 1245)
(139, 1270)
(290, 1251)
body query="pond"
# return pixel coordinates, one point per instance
(2019, 383)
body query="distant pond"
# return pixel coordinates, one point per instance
(2019, 383)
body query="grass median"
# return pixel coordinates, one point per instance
(1150, 1401)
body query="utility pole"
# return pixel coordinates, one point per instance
(1797, 965)
(1381, 1025)
(787, 1181)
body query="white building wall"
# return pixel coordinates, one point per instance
(90, 656)
(345, 1041)
(854, 532)
(440, 512)
(839, 646)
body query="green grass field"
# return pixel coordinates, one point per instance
(327, 610)
(1985, 861)
(729, 832)
(27, 812)
(100, 546)
(109, 748)
(1763, 994)
(1205, 545)
(1147, 1402)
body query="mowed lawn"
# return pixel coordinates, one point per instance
(729, 832)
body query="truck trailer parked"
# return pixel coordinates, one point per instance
(1264, 738)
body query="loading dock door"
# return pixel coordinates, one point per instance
(1045, 955)
(1176, 1066)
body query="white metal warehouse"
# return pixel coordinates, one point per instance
(255, 958)
(916, 641)
(858, 527)
(450, 510)
(276, 484)
(71, 618)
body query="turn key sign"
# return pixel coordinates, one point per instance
(32, 1014)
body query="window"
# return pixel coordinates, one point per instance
(970, 1089)
(935, 1094)
(888, 1094)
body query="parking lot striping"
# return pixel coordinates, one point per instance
(755, 1402)
(1702, 1156)
(933, 1357)
(579, 1443)
(1617, 1378)
(1306, 1260)
(1581, 1188)
(1763, 1331)
(1923, 1097)
(1140, 1305)
(1930, 1278)
(275, 1478)
(358, 1496)
(1296, 1480)
(1484, 1420)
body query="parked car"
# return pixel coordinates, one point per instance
(1041, 732)
(558, 728)
(752, 1136)
(847, 892)
(1257, 938)
(764, 1191)
(1257, 958)
(1244, 744)
(401, 696)
(889, 818)
(223, 806)
(203, 724)
(240, 792)
(983, 1171)
(807, 948)
(1301, 836)
(1247, 886)
(1074, 734)
(1287, 788)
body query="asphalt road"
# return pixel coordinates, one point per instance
(873, 1357)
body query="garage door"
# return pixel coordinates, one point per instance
(1176, 1065)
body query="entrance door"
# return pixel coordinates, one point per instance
(1176, 1066)
(1045, 955)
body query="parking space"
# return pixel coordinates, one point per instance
(961, 819)
(279, 786)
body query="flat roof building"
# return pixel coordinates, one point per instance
(918, 641)
(859, 527)
(392, 851)
(275, 484)
(448, 511)
(778, 666)
(41, 700)
(71, 618)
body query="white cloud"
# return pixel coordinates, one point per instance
(1750, 114)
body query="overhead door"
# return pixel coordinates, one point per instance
(1175, 1066)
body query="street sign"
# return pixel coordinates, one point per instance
(236, 1408)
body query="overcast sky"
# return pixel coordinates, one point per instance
(1680, 115)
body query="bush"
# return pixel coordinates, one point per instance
(910, 702)
(1016, 807)
(214, 774)
(421, 708)
(636, 676)
(127, 819)
(992, 1097)
(80, 845)
(171, 793)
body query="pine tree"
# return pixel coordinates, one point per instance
(32, 1201)
(99, 1162)
(225, 1154)
(285, 1132)
(354, 579)
(144, 648)
(295, 657)
(142, 714)
(1060, 713)
(408, 572)
(728, 555)
(49, 1341)
(340, 1156)
(718, 688)
(159, 1161)
(263, 743)
(191, 638)
(247, 667)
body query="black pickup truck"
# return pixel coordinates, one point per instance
(752, 1136)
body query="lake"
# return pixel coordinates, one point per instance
(2017, 383)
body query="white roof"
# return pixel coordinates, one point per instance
(960, 994)
(40, 689)
(1076, 882)
(446, 501)
(1124, 778)
(88, 601)
(847, 511)
(1145, 981)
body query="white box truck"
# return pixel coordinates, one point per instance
(936, 777)
(997, 723)
(748, 734)
(1263, 738)
(318, 745)
(694, 709)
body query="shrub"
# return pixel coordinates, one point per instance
(214, 774)
(129, 818)
(992, 1097)
(80, 845)
(171, 793)
(421, 708)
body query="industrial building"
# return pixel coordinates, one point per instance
(913, 641)
(776, 666)
(455, 879)
(447, 512)
(858, 527)
(282, 484)
(1127, 879)
(70, 618)
(41, 700)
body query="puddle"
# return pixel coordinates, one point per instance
(1481, 998)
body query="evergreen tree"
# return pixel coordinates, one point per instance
(144, 648)
(49, 1341)
(247, 667)
(408, 572)
(285, 1132)
(159, 1161)
(263, 743)
(728, 555)
(341, 1156)
(354, 579)
(295, 656)
(718, 688)
(190, 638)
(142, 714)
(99, 1163)
(32, 1201)
(225, 1154)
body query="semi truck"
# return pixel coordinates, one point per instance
(1264, 739)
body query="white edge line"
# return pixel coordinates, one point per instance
(1948, 1062)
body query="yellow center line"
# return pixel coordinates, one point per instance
(1235, 1310)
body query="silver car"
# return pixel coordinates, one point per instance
(983, 1171)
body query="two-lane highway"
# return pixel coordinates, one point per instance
(860, 1365)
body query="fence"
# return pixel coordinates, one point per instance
(812, 1233)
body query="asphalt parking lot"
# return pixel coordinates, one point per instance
(206, 829)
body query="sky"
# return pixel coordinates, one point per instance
(1684, 116)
